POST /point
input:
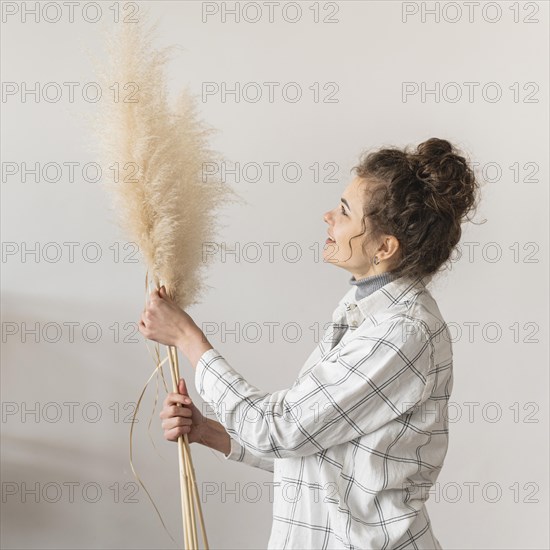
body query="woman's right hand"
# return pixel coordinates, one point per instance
(179, 420)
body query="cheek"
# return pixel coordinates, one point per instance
(340, 227)
(338, 234)
(361, 246)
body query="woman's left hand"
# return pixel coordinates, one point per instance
(165, 322)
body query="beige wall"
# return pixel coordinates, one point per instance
(82, 390)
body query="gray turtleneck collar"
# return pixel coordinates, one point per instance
(367, 285)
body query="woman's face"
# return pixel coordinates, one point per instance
(344, 222)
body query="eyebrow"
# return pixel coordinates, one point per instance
(346, 203)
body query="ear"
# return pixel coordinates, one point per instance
(389, 247)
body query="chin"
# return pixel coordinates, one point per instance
(332, 261)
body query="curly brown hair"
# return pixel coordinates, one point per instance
(421, 197)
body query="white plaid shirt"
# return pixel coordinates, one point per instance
(359, 439)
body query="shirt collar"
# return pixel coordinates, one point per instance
(395, 293)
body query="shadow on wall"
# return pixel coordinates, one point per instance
(67, 401)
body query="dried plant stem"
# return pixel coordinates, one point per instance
(184, 486)
(191, 470)
(190, 496)
(183, 442)
(186, 505)
(189, 490)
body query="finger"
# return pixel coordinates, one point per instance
(171, 411)
(143, 319)
(183, 389)
(173, 435)
(176, 422)
(180, 430)
(183, 393)
(176, 410)
(175, 398)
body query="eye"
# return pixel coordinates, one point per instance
(343, 211)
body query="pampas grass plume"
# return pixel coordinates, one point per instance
(158, 152)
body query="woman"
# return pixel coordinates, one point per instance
(359, 439)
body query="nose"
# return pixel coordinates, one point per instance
(326, 216)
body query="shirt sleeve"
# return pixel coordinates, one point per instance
(378, 375)
(240, 454)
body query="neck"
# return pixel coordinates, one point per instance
(369, 284)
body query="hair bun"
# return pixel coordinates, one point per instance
(434, 147)
(445, 174)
